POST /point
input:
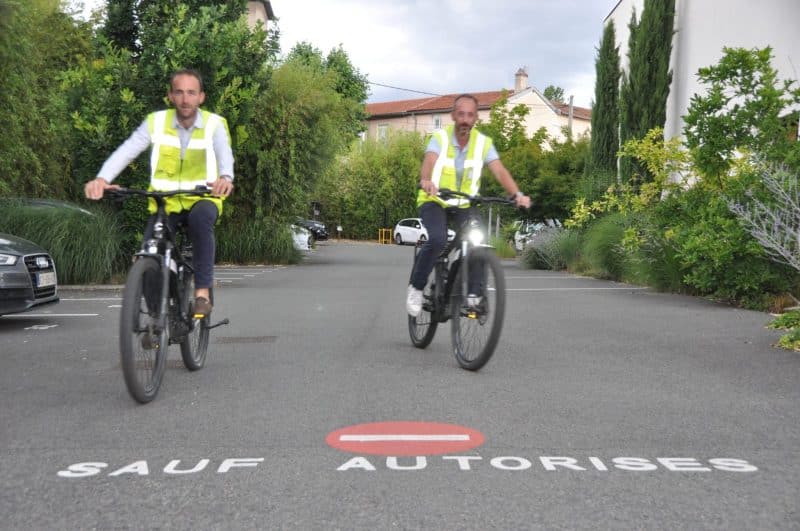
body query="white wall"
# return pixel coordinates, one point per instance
(703, 27)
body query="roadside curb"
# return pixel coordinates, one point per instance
(92, 287)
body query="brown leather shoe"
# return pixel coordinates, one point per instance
(202, 308)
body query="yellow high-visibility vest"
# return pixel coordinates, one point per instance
(444, 171)
(168, 172)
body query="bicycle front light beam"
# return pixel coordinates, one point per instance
(475, 236)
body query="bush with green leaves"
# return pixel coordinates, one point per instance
(84, 244)
(553, 248)
(373, 186)
(602, 250)
(264, 241)
(38, 41)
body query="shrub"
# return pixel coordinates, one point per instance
(85, 245)
(602, 249)
(552, 248)
(502, 248)
(265, 241)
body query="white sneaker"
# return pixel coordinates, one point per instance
(473, 300)
(413, 301)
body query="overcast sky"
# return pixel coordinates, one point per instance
(452, 46)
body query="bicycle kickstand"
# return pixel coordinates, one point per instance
(219, 323)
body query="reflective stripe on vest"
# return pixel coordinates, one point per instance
(477, 148)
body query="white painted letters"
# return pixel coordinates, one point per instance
(82, 470)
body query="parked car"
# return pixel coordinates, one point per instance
(528, 229)
(302, 238)
(411, 230)
(27, 275)
(317, 228)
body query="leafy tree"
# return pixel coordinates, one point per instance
(121, 27)
(742, 111)
(646, 87)
(605, 112)
(506, 127)
(111, 95)
(373, 185)
(37, 42)
(554, 93)
(349, 83)
(294, 134)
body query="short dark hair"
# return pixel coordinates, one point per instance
(186, 72)
(465, 95)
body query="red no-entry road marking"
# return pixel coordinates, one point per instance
(404, 438)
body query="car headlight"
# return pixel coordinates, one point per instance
(475, 236)
(8, 259)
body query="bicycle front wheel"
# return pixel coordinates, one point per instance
(478, 319)
(195, 345)
(422, 328)
(143, 341)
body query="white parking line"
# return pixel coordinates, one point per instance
(24, 315)
(97, 299)
(551, 277)
(403, 437)
(572, 289)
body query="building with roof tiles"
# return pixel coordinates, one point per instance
(424, 115)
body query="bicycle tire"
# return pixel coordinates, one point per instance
(422, 328)
(143, 346)
(475, 331)
(195, 344)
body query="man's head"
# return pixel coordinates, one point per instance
(465, 114)
(186, 93)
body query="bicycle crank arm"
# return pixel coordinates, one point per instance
(223, 322)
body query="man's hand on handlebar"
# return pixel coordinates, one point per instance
(222, 187)
(95, 188)
(429, 187)
(523, 201)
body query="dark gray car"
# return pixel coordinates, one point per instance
(27, 275)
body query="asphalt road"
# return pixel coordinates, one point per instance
(606, 406)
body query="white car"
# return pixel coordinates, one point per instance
(411, 230)
(302, 238)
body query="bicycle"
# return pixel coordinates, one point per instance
(157, 303)
(475, 303)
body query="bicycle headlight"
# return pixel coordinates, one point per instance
(475, 235)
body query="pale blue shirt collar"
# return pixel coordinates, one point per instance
(198, 121)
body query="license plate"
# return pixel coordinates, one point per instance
(45, 279)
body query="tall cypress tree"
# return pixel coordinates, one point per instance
(645, 89)
(121, 27)
(605, 113)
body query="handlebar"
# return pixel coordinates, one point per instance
(446, 194)
(121, 192)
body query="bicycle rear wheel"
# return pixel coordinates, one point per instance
(422, 328)
(195, 344)
(476, 325)
(142, 341)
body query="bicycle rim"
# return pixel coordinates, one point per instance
(475, 329)
(143, 344)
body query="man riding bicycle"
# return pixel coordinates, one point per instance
(454, 159)
(190, 147)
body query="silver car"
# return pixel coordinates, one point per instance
(27, 275)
